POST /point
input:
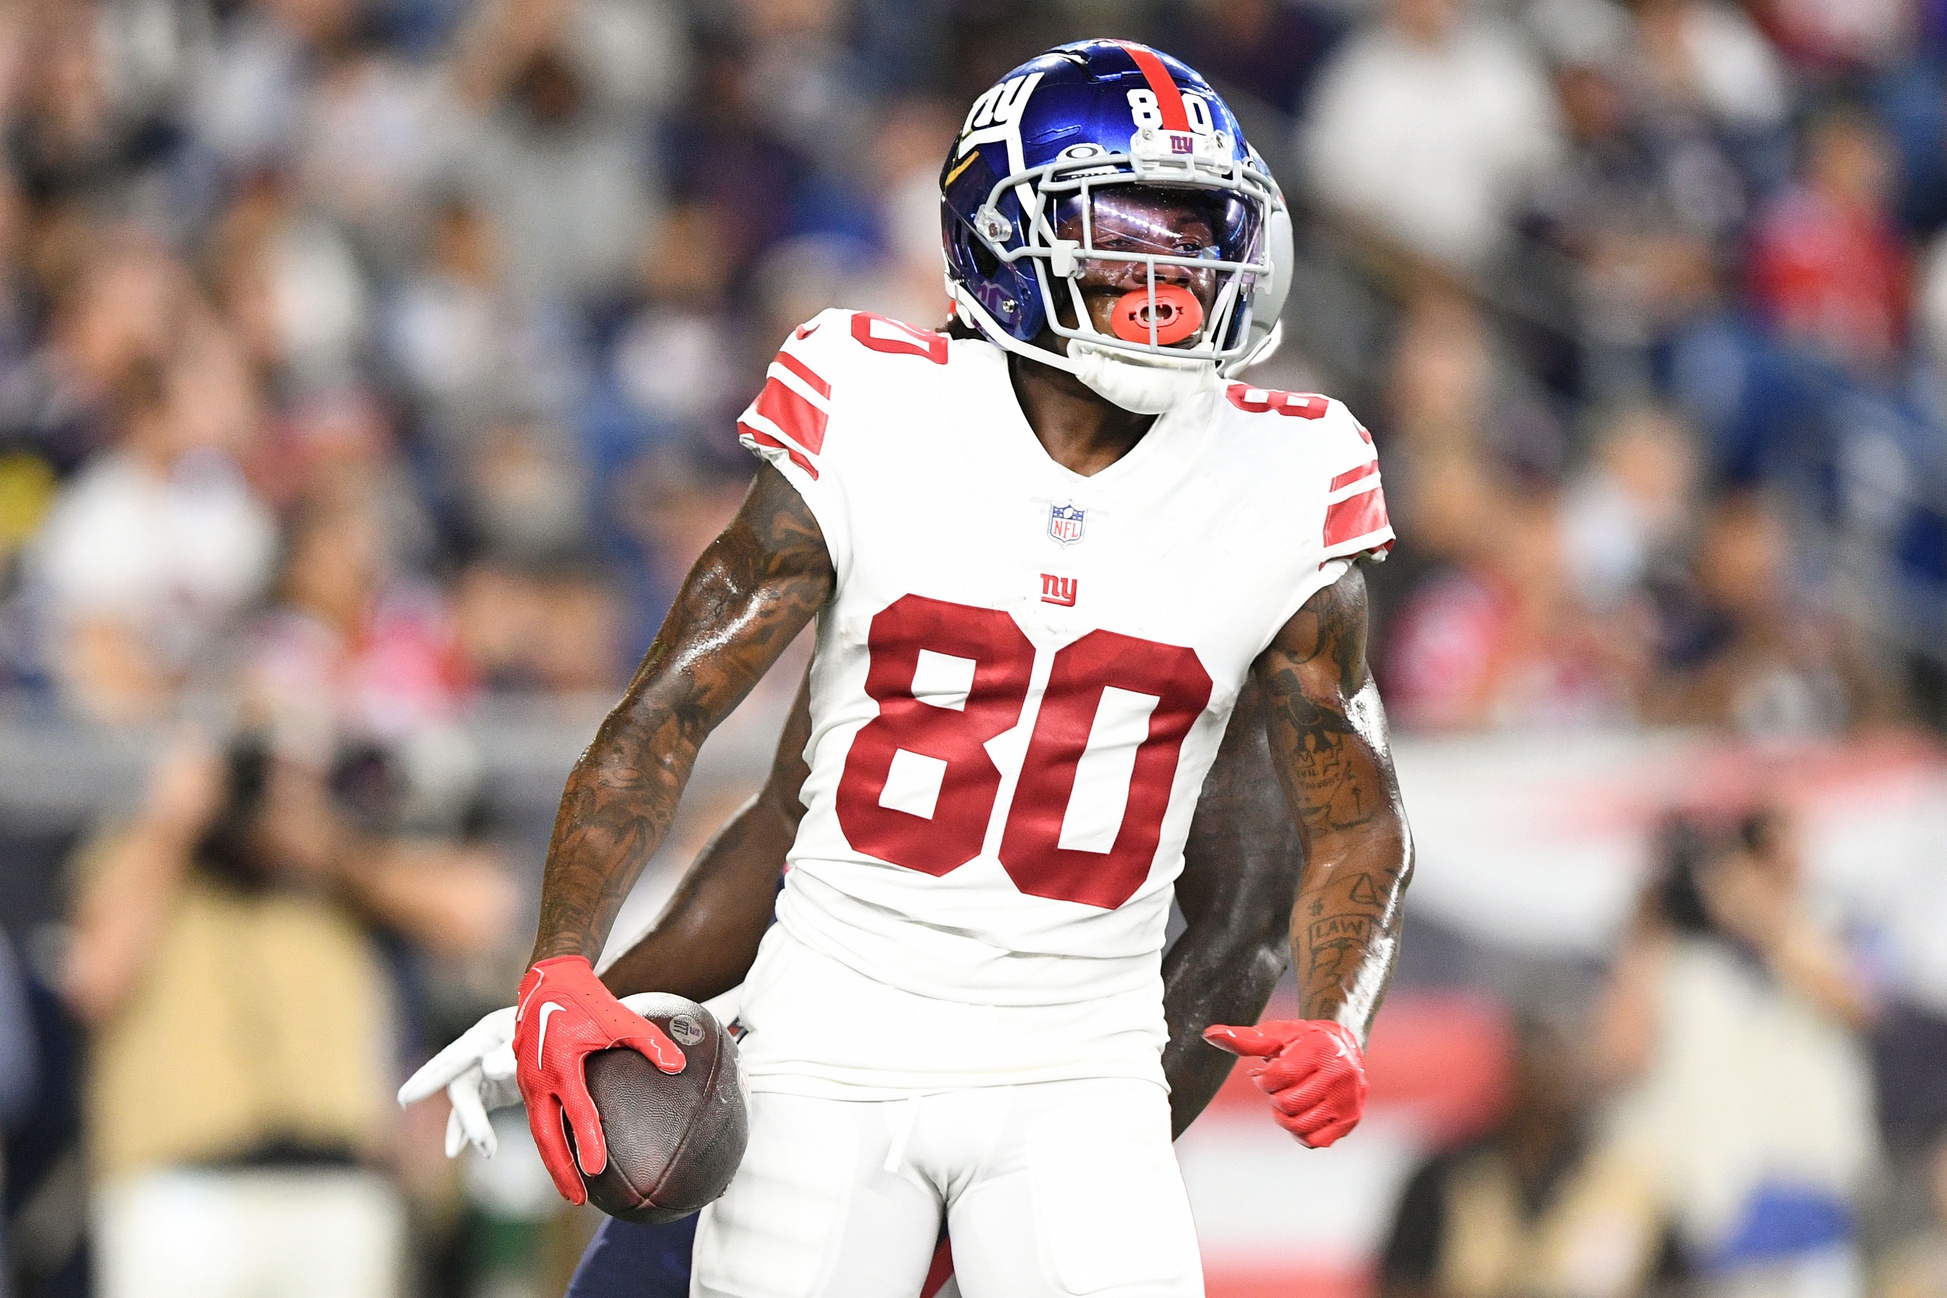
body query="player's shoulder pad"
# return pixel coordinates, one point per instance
(834, 352)
(1329, 451)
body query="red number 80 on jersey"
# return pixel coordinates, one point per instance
(953, 732)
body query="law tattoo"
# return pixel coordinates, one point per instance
(1327, 733)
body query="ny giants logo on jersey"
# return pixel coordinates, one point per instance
(1065, 523)
(1058, 590)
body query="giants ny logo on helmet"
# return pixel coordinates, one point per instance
(1041, 145)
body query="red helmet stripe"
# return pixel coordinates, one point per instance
(1168, 98)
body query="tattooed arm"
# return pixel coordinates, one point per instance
(1327, 733)
(1240, 872)
(703, 943)
(746, 599)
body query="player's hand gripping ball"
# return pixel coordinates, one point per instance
(1313, 1070)
(562, 1016)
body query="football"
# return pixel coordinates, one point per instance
(674, 1139)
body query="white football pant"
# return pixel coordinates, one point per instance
(1049, 1190)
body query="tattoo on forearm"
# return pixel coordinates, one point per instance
(1328, 735)
(749, 595)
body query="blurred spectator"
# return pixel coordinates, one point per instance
(1484, 625)
(748, 182)
(1643, 203)
(1495, 636)
(1839, 37)
(675, 356)
(558, 154)
(466, 349)
(375, 133)
(1432, 126)
(290, 285)
(796, 65)
(152, 550)
(89, 126)
(1828, 265)
(1732, 1017)
(224, 951)
(537, 630)
(1454, 385)
(1704, 58)
(247, 98)
(117, 298)
(1535, 1207)
(1626, 517)
(355, 652)
(1745, 647)
(526, 494)
(912, 138)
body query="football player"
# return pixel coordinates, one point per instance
(1044, 556)
(1239, 877)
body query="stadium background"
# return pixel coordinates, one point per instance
(367, 379)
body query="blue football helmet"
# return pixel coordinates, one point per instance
(1041, 164)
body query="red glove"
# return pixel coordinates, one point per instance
(1316, 1074)
(564, 1015)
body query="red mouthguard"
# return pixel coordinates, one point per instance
(1178, 314)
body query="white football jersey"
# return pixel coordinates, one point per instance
(1025, 673)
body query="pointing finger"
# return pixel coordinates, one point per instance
(1242, 1040)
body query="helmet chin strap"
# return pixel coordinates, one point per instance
(1143, 387)
(1140, 387)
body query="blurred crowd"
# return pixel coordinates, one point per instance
(367, 362)
(1643, 299)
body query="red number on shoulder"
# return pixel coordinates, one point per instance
(896, 338)
(1258, 401)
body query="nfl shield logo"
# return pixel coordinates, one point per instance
(1065, 523)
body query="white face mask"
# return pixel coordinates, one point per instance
(1145, 387)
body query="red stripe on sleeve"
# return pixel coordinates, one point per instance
(763, 438)
(1168, 98)
(1351, 476)
(1355, 516)
(794, 415)
(803, 371)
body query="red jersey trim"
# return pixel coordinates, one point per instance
(793, 414)
(1358, 515)
(761, 438)
(805, 372)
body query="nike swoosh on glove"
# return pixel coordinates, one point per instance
(562, 1016)
(1314, 1073)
